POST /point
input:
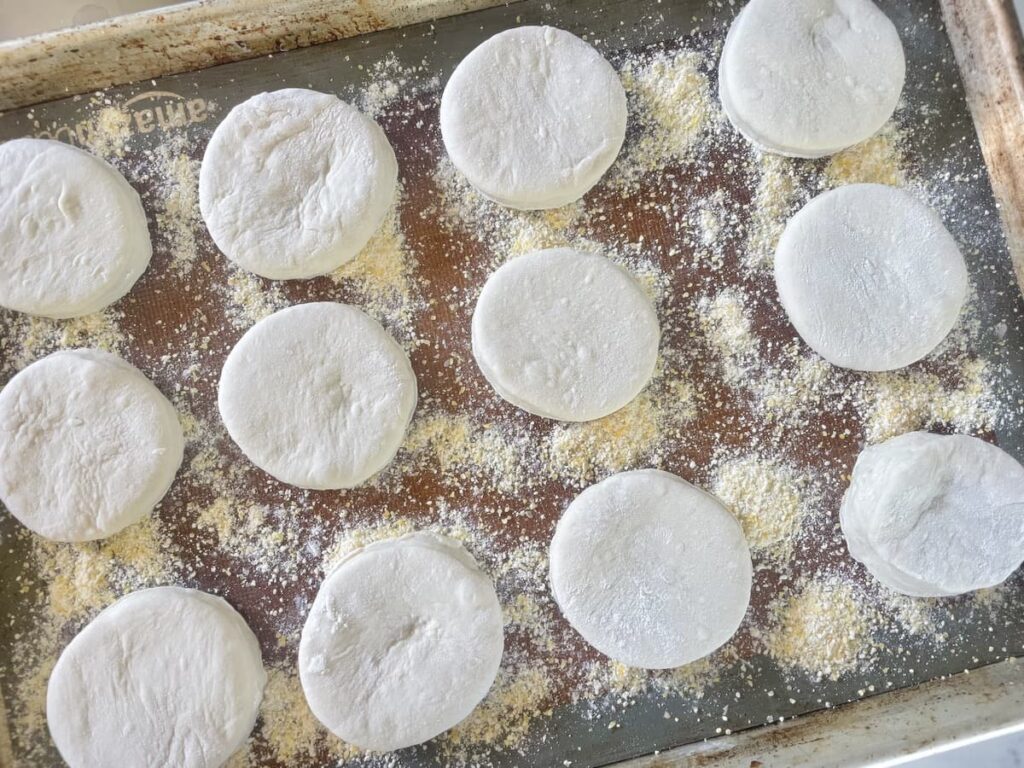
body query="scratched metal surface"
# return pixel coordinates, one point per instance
(945, 140)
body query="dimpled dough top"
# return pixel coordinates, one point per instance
(318, 395)
(651, 570)
(163, 677)
(808, 78)
(73, 235)
(533, 117)
(403, 640)
(88, 445)
(294, 183)
(936, 515)
(565, 335)
(870, 277)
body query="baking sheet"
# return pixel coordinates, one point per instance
(167, 311)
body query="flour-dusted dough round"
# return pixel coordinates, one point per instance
(936, 515)
(403, 640)
(88, 445)
(565, 335)
(808, 78)
(163, 677)
(318, 395)
(533, 117)
(294, 183)
(651, 570)
(870, 277)
(73, 235)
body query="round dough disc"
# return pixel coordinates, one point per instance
(73, 235)
(88, 445)
(936, 515)
(164, 676)
(294, 183)
(808, 78)
(533, 117)
(318, 395)
(565, 335)
(651, 570)
(403, 640)
(870, 277)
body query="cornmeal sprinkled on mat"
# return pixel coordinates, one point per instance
(732, 387)
(822, 627)
(769, 498)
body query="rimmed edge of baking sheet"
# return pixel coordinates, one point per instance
(192, 36)
(880, 731)
(989, 49)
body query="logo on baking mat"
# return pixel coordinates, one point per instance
(143, 113)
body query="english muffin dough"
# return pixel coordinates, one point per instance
(73, 235)
(651, 570)
(318, 395)
(936, 515)
(403, 641)
(533, 117)
(88, 445)
(295, 182)
(870, 277)
(808, 78)
(565, 334)
(163, 677)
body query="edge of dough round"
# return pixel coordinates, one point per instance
(284, 191)
(286, 387)
(632, 301)
(136, 248)
(461, 143)
(65, 718)
(820, 322)
(388, 712)
(823, 149)
(660, 645)
(156, 406)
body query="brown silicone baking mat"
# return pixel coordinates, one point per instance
(739, 405)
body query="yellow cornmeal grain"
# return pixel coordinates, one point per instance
(901, 401)
(244, 531)
(109, 131)
(455, 444)
(626, 683)
(389, 527)
(537, 230)
(31, 338)
(506, 232)
(79, 580)
(786, 394)
(525, 613)
(625, 439)
(768, 499)
(915, 615)
(776, 198)
(503, 718)
(821, 628)
(383, 274)
(616, 442)
(673, 101)
(178, 216)
(250, 298)
(28, 713)
(727, 329)
(290, 731)
(84, 578)
(879, 160)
